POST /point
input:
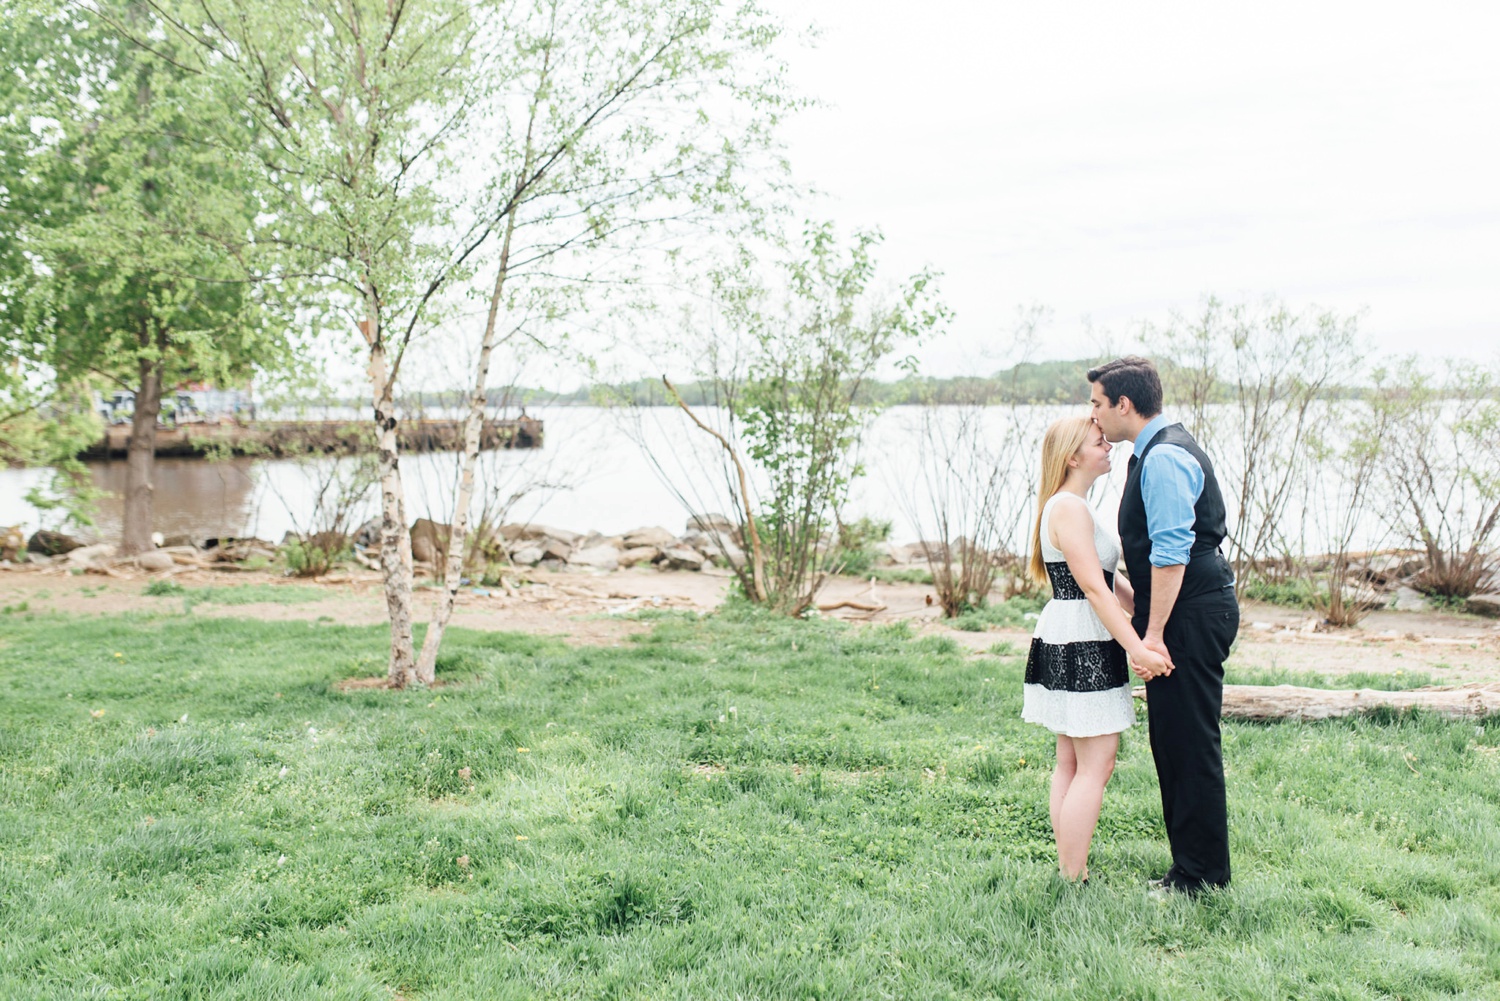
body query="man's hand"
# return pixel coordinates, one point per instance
(1161, 658)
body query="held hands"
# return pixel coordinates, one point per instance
(1153, 662)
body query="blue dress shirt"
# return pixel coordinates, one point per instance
(1171, 483)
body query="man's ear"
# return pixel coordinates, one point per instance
(1125, 405)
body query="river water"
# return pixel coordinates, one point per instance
(609, 470)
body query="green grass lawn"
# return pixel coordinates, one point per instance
(726, 808)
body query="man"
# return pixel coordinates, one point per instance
(1171, 525)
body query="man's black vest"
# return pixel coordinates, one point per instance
(1207, 570)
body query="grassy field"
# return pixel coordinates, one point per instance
(725, 808)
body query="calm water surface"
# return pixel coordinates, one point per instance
(601, 469)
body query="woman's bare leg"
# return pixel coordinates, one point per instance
(1078, 814)
(1062, 777)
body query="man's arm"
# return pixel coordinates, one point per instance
(1166, 582)
(1171, 483)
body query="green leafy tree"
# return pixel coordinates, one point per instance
(352, 109)
(618, 135)
(129, 233)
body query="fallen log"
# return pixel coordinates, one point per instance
(859, 606)
(1268, 702)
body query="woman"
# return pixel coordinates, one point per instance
(1077, 683)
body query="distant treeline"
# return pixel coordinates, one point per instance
(1029, 382)
(1048, 382)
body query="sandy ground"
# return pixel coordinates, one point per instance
(589, 608)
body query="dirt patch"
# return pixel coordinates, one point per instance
(602, 609)
(361, 684)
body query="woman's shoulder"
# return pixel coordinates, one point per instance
(1071, 514)
(1052, 501)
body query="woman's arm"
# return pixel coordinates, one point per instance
(1071, 527)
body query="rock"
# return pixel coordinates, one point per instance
(594, 539)
(1387, 568)
(1409, 599)
(239, 550)
(89, 556)
(722, 551)
(12, 542)
(175, 541)
(652, 536)
(429, 541)
(638, 554)
(681, 558)
(367, 535)
(1487, 605)
(601, 557)
(533, 533)
(692, 540)
(928, 549)
(528, 556)
(155, 561)
(732, 555)
(555, 549)
(52, 543)
(711, 523)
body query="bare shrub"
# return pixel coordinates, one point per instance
(340, 490)
(1246, 380)
(964, 502)
(1443, 468)
(1341, 494)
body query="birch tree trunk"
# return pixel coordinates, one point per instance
(442, 609)
(395, 541)
(140, 460)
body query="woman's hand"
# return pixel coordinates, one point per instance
(1148, 664)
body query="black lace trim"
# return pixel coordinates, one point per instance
(1065, 587)
(1084, 666)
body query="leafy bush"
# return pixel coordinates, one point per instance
(856, 554)
(1294, 592)
(901, 575)
(1010, 614)
(316, 555)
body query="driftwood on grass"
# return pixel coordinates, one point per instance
(859, 606)
(1267, 702)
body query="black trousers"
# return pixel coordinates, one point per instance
(1182, 710)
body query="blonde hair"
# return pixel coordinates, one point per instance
(1061, 442)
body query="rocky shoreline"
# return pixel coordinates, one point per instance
(1384, 579)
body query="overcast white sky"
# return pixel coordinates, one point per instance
(1116, 161)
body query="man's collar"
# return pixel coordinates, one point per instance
(1153, 427)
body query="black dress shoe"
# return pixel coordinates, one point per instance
(1164, 882)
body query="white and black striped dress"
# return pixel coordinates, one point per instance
(1077, 679)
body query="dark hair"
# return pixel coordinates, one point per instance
(1134, 377)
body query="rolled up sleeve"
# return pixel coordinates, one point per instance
(1171, 482)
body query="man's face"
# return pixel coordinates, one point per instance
(1111, 419)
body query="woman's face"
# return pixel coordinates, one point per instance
(1093, 456)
